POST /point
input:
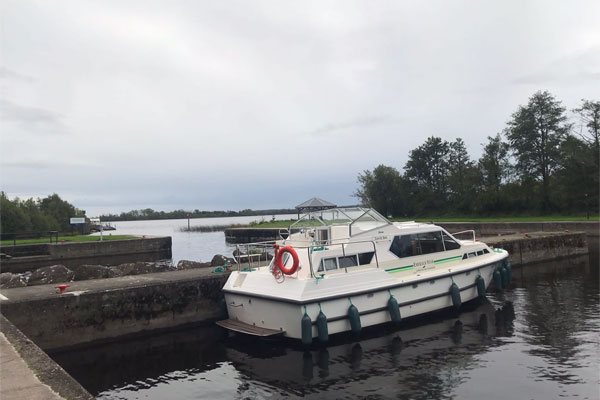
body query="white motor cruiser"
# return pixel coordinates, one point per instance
(343, 269)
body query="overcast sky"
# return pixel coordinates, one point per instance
(211, 105)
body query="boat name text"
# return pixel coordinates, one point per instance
(424, 264)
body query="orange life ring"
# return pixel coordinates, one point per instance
(279, 263)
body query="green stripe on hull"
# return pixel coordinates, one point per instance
(445, 260)
(399, 269)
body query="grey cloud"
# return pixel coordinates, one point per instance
(357, 123)
(28, 164)
(188, 105)
(545, 78)
(6, 73)
(38, 119)
(578, 68)
(39, 164)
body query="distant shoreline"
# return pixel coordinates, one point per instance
(149, 214)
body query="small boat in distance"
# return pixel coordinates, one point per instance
(343, 269)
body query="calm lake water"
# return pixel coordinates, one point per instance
(537, 340)
(195, 246)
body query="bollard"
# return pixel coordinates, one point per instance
(62, 288)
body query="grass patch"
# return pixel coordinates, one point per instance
(209, 228)
(271, 224)
(77, 238)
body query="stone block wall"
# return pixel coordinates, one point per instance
(127, 306)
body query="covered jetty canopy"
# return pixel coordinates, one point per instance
(313, 204)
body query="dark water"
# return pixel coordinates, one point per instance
(537, 340)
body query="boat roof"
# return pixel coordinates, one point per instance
(315, 202)
(341, 216)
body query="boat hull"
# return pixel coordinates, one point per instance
(415, 296)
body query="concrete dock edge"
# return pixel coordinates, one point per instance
(41, 365)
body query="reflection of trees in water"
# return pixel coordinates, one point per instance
(435, 374)
(557, 307)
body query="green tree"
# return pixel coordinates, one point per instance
(577, 171)
(494, 168)
(381, 190)
(462, 178)
(427, 171)
(427, 165)
(535, 134)
(12, 217)
(39, 221)
(55, 207)
(589, 114)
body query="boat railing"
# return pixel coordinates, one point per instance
(249, 256)
(471, 231)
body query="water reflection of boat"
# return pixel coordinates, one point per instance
(444, 344)
(345, 269)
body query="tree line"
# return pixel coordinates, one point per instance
(148, 214)
(40, 215)
(53, 214)
(540, 163)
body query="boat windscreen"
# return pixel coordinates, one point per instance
(370, 219)
(333, 216)
(341, 216)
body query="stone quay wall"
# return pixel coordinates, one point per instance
(538, 247)
(22, 258)
(105, 309)
(591, 229)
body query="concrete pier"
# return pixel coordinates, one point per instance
(108, 308)
(27, 373)
(22, 258)
(537, 247)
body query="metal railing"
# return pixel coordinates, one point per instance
(252, 254)
(463, 232)
(14, 236)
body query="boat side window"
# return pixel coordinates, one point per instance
(322, 236)
(348, 261)
(405, 246)
(365, 258)
(449, 243)
(328, 264)
(475, 254)
(416, 244)
(431, 242)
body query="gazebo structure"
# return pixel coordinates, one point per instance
(313, 204)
